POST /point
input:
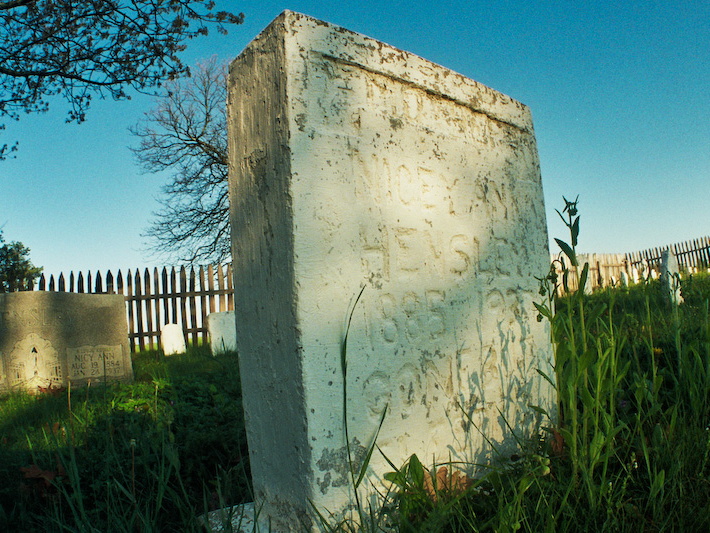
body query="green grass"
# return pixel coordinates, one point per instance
(147, 456)
(628, 448)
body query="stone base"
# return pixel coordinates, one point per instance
(242, 518)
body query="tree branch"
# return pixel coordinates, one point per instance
(15, 3)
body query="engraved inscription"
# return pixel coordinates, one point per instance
(414, 316)
(461, 251)
(377, 393)
(95, 362)
(436, 323)
(406, 251)
(35, 317)
(405, 390)
(390, 329)
(375, 255)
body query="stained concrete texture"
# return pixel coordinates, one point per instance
(48, 339)
(354, 164)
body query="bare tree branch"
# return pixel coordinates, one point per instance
(185, 134)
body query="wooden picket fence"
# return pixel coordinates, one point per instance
(167, 297)
(606, 269)
(186, 297)
(690, 254)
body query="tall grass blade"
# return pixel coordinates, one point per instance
(368, 456)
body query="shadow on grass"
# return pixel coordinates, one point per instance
(151, 455)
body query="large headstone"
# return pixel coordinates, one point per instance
(354, 163)
(48, 339)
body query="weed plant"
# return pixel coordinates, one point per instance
(147, 456)
(629, 446)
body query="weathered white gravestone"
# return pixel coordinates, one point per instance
(354, 163)
(48, 339)
(172, 339)
(222, 331)
(670, 276)
(624, 279)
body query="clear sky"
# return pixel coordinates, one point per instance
(619, 92)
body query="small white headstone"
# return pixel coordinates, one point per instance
(588, 288)
(670, 276)
(635, 275)
(624, 279)
(223, 332)
(586, 259)
(172, 340)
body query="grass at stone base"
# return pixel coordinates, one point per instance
(631, 451)
(147, 456)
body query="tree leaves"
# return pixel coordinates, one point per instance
(17, 273)
(79, 49)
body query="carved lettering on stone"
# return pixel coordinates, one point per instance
(379, 168)
(49, 339)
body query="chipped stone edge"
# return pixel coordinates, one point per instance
(360, 51)
(366, 53)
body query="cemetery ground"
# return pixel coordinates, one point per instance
(630, 452)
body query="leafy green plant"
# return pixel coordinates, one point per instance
(628, 450)
(620, 405)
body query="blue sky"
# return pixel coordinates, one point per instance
(619, 91)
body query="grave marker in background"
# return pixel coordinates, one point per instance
(172, 339)
(48, 339)
(624, 279)
(670, 276)
(353, 163)
(223, 332)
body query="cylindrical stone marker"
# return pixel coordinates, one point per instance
(356, 164)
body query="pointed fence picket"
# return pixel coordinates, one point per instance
(690, 254)
(183, 297)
